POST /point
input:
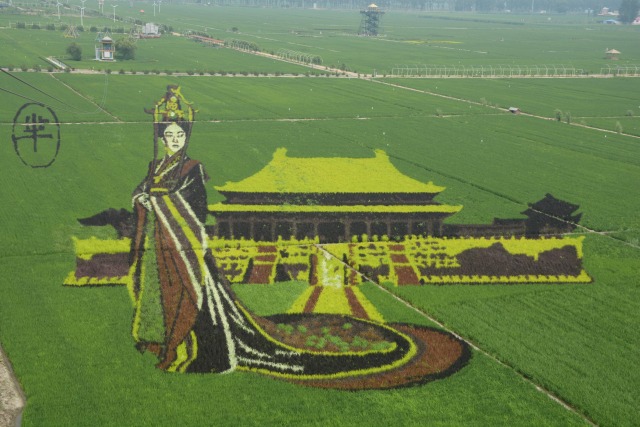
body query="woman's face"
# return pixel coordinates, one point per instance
(174, 138)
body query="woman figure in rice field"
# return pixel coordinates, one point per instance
(185, 312)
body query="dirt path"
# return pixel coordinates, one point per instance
(12, 399)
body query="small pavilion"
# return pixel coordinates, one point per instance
(612, 54)
(105, 49)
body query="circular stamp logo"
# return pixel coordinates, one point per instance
(36, 135)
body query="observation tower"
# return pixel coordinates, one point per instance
(370, 24)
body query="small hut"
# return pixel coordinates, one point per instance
(612, 54)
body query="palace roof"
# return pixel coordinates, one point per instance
(286, 174)
(400, 209)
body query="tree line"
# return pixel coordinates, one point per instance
(558, 6)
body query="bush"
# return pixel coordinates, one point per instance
(619, 127)
(74, 50)
(558, 115)
(51, 27)
(125, 49)
(21, 25)
(145, 72)
(10, 67)
(35, 26)
(93, 29)
(50, 68)
(108, 71)
(37, 67)
(121, 71)
(168, 72)
(24, 67)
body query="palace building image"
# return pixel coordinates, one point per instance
(331, 198)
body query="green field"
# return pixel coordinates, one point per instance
(599, 103)
(71, 348)
(409, 39)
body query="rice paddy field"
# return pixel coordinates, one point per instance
(71, 348)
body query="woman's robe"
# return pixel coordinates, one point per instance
(185, 311)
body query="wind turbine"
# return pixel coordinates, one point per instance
(59, 4)
(82, 13)
(154, 8)
(114, 11)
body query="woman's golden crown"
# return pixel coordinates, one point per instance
(172, 107)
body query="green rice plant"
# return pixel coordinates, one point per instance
(539, 330)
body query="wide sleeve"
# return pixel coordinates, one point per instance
(142, 189)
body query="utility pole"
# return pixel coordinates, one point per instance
(114, 11)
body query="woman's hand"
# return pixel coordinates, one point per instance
(143, 199)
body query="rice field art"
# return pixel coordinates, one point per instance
(524, 246)
(186, 314)
(312, 220)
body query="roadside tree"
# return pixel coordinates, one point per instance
(74, 50)
(628, 11)
(125, 49)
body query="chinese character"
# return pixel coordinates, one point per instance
(34, 128)
(36, 137)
